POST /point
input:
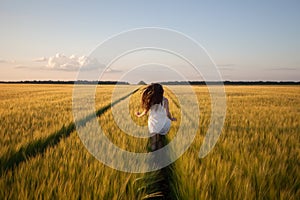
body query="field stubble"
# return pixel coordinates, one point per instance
(256, 156)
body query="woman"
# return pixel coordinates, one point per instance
(159, 120)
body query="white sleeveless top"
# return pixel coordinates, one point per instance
(158, 121)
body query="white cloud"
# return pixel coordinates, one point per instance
(42, 59)
(71, 63)
(6, 61)
(283, 68)
(226, 67)
(110, 70)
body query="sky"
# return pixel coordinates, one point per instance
(52, 40)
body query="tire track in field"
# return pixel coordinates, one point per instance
(30, 150)
(160, 184)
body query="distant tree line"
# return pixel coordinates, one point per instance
(68, 82)
(164, 83)
(231, 83)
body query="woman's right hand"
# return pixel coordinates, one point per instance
(173, 119)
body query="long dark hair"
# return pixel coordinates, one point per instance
(152, 94)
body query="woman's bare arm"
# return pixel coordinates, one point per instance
(166, 105)
(138, 114)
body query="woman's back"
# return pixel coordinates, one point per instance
(157, 106)
(157, 111)
(157, 118)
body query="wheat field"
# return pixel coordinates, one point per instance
(256, 157)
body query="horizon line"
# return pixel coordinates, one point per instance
(226, 82)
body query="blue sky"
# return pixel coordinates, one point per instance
(248, 40)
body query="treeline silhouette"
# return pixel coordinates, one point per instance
(231, 83)
(68, 82)
(164, 83)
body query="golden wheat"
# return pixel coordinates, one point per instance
(256, 156)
